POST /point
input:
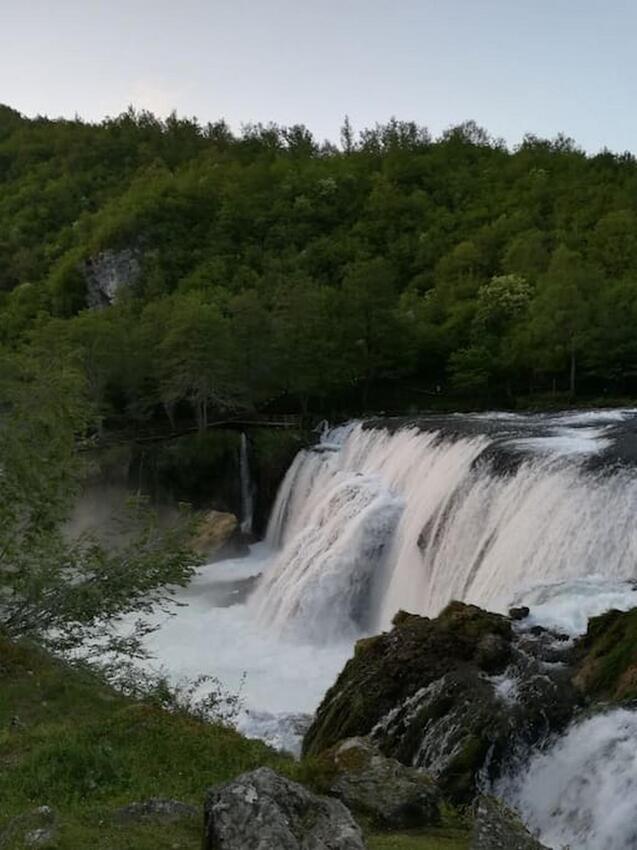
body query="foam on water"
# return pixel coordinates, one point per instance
(582, 792)
(566, 441)
(568, 605)
(278, 679)
(603, 415)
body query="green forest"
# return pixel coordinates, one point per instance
(267, 270)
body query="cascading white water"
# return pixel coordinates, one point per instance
(247, 490)
(333, 529)
(373, 520)
(418, 519)
(581, 792)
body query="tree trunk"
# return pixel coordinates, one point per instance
(573, 368)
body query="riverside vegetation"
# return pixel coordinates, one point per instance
(68, 741)
(72, 743)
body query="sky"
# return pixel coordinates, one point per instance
(540, 66)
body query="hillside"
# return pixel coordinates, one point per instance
(230, 272)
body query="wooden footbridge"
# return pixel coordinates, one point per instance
(241, 422)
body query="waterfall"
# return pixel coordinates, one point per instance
(581, 791)
(247, 488)
(374, 520)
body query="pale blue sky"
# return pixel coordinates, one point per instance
(539, 66)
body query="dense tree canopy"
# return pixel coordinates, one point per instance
(277, 270)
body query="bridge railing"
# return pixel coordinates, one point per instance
(242, 422)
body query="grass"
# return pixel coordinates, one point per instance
(433, 839)
(609, 668)
(70, 742)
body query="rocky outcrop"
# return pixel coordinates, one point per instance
(109, 272)
(391, 795)
(266, 811)
(455, 696)
(497, 828)
(214, 531)
(37, 828)
(606, 657)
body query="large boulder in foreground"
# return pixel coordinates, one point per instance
(498, 828)
(264, 811)
(392, 795)
(455, 696)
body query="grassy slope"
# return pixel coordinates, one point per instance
(69, 742)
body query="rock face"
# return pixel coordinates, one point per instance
(264, 811)
(498, 828)
(606, 665)
(155, 810)
(107, 273)
(394, 796)
(37, 828)
(455, 696)
(214, 531)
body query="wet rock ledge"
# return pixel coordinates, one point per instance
(464, 695)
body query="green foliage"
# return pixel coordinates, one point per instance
(275, 271)
(67, 592)
(432, 839)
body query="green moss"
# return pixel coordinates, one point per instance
(608, 657)
(366, 645)
(473, 622)
(459, 776)
(432, 839)
(452, 834)
(389, 668)
(83, 832)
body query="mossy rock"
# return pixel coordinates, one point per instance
(389, 668)
(496, 827)
(388, 793)
(606, 667)
(427, 693)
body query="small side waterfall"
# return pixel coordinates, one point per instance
(247, 487)
(371, 521)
